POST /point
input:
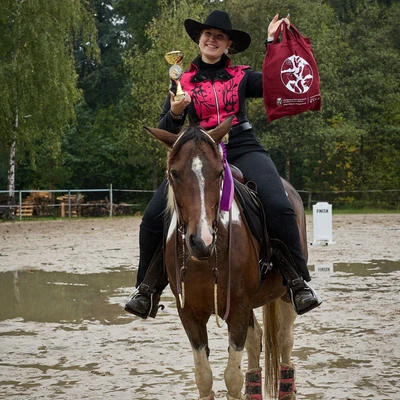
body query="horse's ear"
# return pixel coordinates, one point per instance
(165, 137)
(221, 130)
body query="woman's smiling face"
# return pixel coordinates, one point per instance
(213, 43)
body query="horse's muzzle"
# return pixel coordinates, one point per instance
(198, 249)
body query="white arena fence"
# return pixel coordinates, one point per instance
(70, 203)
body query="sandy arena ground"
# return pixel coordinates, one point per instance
(64, 334)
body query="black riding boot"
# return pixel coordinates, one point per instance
(300, 293)
(303, 297)
(152, 277)
(144, 301)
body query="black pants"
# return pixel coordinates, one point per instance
(151, 229)
(257, 166)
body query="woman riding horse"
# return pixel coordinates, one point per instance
(214, 91)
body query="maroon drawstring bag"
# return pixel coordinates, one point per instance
(291, 83)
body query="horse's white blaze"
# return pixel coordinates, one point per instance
(205, 233)
(172, 226)
(202, 372)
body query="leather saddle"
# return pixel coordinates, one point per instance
(249, 202)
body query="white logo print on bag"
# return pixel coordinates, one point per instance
(296, 74)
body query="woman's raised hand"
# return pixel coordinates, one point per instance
(275, 24)
(177, 107)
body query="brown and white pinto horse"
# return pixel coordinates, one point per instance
(212, 261)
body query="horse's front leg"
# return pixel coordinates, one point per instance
(203, 372)
(237, 327)
(196, 330)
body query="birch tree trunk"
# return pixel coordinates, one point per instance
(11, 172)
(38, 76)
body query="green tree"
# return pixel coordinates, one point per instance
(362, 146)
(97, 152)
(92, 143)
(292, 140)
(137, 15)
(37, 72)
(371, 79)
(150, 81)
(353, 142)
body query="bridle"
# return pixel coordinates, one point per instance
(180, 229)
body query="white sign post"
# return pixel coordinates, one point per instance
(324, 268)
(322, 223)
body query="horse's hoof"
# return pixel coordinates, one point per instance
(245, 397)
(291, 396)
(211, 396)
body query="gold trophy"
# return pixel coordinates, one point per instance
(175, 72)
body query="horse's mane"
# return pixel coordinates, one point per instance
(195, 133)
(198, 135)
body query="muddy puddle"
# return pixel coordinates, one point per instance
(61, 297)
(65, 335)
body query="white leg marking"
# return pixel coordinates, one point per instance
(233, 374)
(202, 372)
(205, 233)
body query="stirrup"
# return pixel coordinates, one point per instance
(132, 295)
(152, 310)
(300, 285)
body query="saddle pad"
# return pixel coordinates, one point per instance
(252, 210)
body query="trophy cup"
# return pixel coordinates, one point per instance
(175, 72)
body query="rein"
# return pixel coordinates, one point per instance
(225, 205)
(181, 271)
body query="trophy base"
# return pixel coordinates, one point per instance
(179, 96)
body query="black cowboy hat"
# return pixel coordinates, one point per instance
(219, 20)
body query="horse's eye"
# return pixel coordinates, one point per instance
(173, 175)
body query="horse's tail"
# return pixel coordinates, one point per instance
(271, 345)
